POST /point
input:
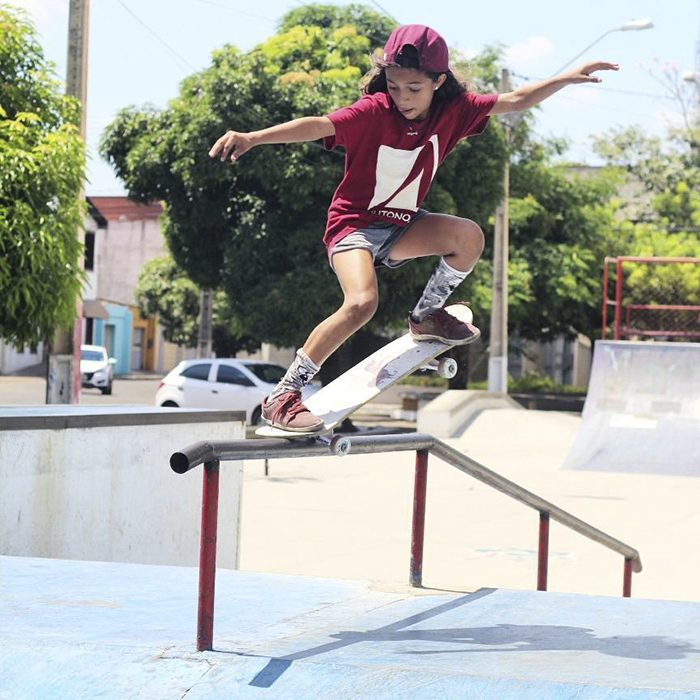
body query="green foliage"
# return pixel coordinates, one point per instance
(41, 174)
(668, 175)
(561, 228)
(164, 290)
(662, 283)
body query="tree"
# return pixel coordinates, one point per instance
(254, 230)
(165, 291)
(41, 174)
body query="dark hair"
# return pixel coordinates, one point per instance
(375, 80)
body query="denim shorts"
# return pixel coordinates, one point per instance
(379, 238)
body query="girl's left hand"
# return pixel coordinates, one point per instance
(583, 73)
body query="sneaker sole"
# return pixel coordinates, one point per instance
(287, 429)
(464, 341)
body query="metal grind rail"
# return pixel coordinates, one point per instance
(211, 454)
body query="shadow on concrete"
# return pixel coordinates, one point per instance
(520, 638)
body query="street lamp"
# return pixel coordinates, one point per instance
(634, 25)
(498, 341)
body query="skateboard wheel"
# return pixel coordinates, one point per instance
(447, 368)
(340, 445)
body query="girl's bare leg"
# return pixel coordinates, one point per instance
(358, 280)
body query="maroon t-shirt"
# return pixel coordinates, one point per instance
(390, 161)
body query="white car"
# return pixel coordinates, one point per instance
(223, 383)
(96, 368)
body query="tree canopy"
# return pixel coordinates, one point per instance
(663, 218)
(41, 174)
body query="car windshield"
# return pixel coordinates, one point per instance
(271, 374)
(91, 355)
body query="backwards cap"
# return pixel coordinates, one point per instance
(431, 47)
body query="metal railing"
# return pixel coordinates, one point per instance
(210, 454)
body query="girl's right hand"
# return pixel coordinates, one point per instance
(233, 144)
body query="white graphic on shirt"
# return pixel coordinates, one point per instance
(394, 168)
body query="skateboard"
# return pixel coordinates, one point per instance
(368, 378)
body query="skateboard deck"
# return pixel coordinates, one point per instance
(368, 378)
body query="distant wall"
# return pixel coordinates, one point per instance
(95, 484)
(13, 360)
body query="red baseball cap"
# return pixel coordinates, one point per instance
(433, 55)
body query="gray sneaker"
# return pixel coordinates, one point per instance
(443, 326)
(287, 412)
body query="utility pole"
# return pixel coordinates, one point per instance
(63, 380)
(204, 346)
(498, 343)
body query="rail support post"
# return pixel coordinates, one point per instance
(418, 528)
(627, 579)
(207, 556)
(543, 552)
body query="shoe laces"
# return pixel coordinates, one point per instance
(447, 319)
(291, 404)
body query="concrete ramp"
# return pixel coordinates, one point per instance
(99, 630)
(642, 411)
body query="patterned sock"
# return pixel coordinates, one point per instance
(443, 282)
(300, 373)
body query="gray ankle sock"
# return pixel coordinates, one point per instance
(443, 282)
(300, 373)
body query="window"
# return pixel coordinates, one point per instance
(270, 374)
(92, 355)
(89, 251)
(232, 375)
(200, 371)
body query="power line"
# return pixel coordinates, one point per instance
(386, 12)
(603, 89)
(161, 40)
(236, 10)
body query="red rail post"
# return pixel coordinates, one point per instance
(627, 580)
(543, 552)
(604, 329)
(207, 556)
(618, 298)
(418, 528)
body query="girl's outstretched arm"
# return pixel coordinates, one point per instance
(528, 96)
(234, 144)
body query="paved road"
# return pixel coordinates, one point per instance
(31, 391)
(18, 390)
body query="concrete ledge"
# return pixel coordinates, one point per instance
(452, 412)
(94, 483)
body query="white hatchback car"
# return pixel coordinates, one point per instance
(96, 368)
(223, 383)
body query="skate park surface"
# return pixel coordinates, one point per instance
(321, 607)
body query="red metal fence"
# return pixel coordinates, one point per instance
(672, 311)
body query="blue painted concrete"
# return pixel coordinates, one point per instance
(80, 629)
(120, 318)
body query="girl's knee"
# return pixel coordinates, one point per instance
(471, 237)
(360, 308)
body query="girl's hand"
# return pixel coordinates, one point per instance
(233, 144)
(583, 74)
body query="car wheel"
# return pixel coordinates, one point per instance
(106, 389)
(169, 404)
(256, 418)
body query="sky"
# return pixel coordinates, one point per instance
(139, 52)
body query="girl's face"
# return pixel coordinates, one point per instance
(412, 91)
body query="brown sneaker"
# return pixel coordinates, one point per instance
(287, 412)
(443, 326)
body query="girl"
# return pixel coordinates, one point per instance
(412, 114)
